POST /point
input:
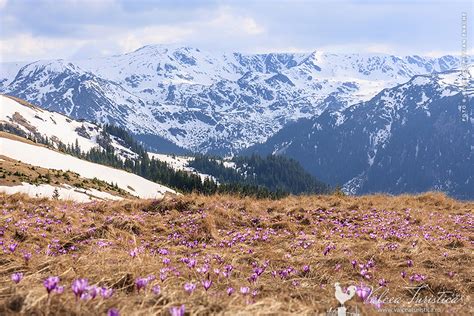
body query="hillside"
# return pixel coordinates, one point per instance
(21, 117)
(44, 157)
(18, 177)
(225, 255)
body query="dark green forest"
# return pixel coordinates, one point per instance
(277, 173)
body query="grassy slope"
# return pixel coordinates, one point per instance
(289, 225)
(14, 172)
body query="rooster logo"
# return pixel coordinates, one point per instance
(343, 297)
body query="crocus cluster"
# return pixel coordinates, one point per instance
(51, 284)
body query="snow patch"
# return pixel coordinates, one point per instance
(50, 159)
(65, 192)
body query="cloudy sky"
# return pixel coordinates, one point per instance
(46, 29)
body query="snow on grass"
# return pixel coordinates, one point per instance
(46, 158)
(179, 163)
(65, 192)
(175, 162)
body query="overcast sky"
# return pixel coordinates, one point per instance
(47, 29)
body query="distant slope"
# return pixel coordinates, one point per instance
(180, 163)
(47, 158)
(272, 172)
(416, 137)
(19, 114)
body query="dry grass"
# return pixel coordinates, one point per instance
(223, 230)
(19, 139)
(23, 102)
(13, 172)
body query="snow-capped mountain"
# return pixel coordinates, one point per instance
(414, 137)
(216, 103)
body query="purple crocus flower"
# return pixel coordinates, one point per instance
(12, 247)
(189, 287)
(206, 284)
(141, 283)
(113, 312)
(328, 249)
(230, 290)
(383, 282)
(244, 290)
(306, 268)
(163, 276)
(27, 256)
(105, 292)
(259, 270)
(377, 303)
(51, 283)
(17, 276)
(403, 274)
(363, 292)
(177, 311)
(410, 263)
(156, 290)
(85, 296)
(92, 291)
(133, 253)
(59, 289)
(252, 278)
(417, 277)
(192, 263)
(79, 286)
(365, 273)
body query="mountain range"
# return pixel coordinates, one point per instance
(415, 137)
(208, 102)
(366, 122)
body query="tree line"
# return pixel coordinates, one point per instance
(155, 170)
(276, 173)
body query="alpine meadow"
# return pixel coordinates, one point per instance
(223, 157)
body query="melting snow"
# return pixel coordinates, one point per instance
(179, 163)
(46, 158)
(66, 192)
